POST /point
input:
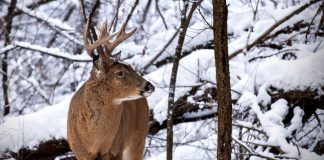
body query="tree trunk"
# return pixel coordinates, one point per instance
(4, 61)
(223, 80)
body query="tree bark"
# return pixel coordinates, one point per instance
(4, 61)
(223, 81)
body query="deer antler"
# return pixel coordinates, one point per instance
(121, 36)
(104, 38)
(91, 47)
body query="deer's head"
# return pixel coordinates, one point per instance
(110, 72)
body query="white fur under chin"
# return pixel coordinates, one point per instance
(118, 101)
(97, 73)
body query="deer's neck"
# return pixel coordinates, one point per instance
(100, 96)
(99, 109)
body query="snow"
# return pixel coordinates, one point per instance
(31, 129)
(303, 73)
(271, 122)
(182, 153)
(296, 121)
(263, 97)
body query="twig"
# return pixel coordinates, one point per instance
(92, 12)
(249, 128)
(159, 12)
(39, 90)
(83, 11)
(131, 12)
(318, 119)
(311, 22)
(115, 20)
(251, 28)
(252, 153)
(321, 23)
(160, 53)
(260, 144)
(147, 7)
(66, 17)
(203, 17)
(262, 57)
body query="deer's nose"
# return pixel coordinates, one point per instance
(149, 87)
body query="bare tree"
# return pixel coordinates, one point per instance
(223, 80)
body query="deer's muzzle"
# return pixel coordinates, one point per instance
(148, 89)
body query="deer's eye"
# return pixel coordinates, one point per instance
(120, 74)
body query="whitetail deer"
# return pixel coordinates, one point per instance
(108, 115)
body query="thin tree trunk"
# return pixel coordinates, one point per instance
(4, 61)
(185, 20)
(182, 34)
(223, 81)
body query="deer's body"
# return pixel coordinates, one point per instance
(117, 130)
(108, 115)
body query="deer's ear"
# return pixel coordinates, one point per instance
(117, 56)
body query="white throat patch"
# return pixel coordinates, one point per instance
(97, 73)
(119, 101)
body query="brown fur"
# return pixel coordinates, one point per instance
(100, 126)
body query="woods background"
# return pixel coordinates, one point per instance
(276, 57)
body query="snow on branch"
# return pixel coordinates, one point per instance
(55, 52)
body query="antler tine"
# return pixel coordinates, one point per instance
(104, 34)
(85, 39)
(101, 40)
(104, 31)
(122, 35)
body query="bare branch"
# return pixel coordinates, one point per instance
(160, 53)
(159, 11)
(131, 12)
(49, 51)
